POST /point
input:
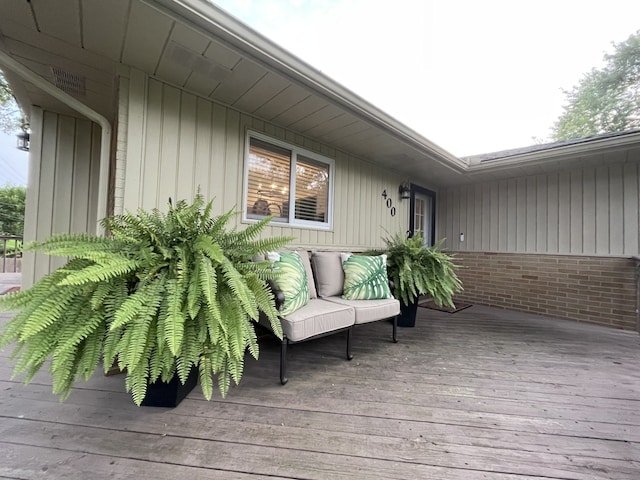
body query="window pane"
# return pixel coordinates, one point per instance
(419, 216)
(268, 182)
(312, 190)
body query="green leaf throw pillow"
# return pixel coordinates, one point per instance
(365, 278)
(292, 281)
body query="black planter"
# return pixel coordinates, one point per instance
(161, 394)
(408, 314)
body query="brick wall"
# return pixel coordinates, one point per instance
(598, 290)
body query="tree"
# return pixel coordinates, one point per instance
(12, 201)
(606, 100)
(10, 116)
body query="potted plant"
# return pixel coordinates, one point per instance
(162, 295)
(416, 269)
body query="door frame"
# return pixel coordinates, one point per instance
(412, 209)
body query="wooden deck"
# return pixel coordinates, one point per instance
(480, 394)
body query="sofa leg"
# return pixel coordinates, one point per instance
(283, 360)
(395, 329)
(349, 354)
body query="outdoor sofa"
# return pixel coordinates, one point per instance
(327, 311)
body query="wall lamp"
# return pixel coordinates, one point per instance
(23, 141)
(23, 138)
(405, 191)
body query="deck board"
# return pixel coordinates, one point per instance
(480, 394)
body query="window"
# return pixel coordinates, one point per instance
(280, 175)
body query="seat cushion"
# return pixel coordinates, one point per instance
(327, 269)
(315, 318)
(370, 310)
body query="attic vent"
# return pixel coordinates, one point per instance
(69, 82)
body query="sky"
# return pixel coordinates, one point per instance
(472, 76)
(13, 162)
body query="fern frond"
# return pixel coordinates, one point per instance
(142, 303)
(102, 273)
(205, 375)
(174, 323)
(206, 245)
(91, 351)
(209, 287)
(136, 382)
(239, 288)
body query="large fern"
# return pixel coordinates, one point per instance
(416, 269)
(163, 294)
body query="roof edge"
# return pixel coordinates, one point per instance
(554, 153)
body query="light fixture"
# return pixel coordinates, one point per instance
(23, 141)
(23, 138)
(405, 191)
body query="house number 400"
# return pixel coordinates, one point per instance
(389, 202)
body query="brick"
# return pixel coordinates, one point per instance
(578, 288)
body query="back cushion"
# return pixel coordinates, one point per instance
(327, 269)
(304, 255)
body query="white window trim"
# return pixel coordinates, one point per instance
(295, 151)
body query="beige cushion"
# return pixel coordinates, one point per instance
(317, 317)
(304, 255)
(370, 310)
(327, 268)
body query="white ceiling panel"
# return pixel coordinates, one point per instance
(243, 76)
(147, 33)
(190, 38)
(59, 19)
(201, 84)
(328, 113)
(172, 71)
(285, 99)
(341, 135)
(182, 56)
(300, 110)
(104, 25)
(16, 13)
(221, 54)
(336, 123)
(268, 87)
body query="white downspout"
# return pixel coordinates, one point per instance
(105, 142)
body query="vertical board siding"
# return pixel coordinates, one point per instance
(564, 212)
(585, 211)
(541, 214)
(589, 211)
(616, 210)
(62, 190)
(179, 142)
